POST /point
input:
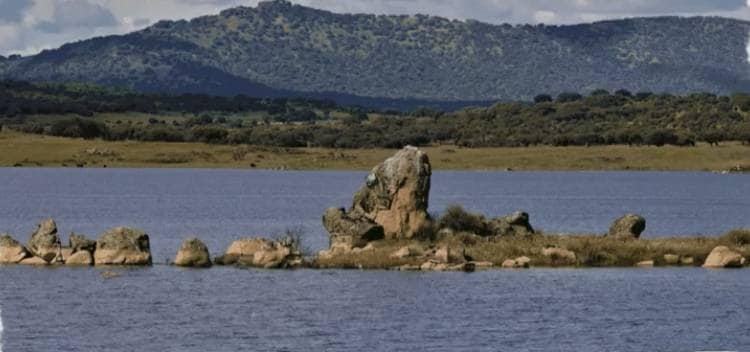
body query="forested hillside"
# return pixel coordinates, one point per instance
(279, 49)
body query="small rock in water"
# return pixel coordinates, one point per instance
(193, 253)
(123, 246)
(518, 263)
(44, 241)
(629, 226)
(723, 257)
(671, 259)
(645, 264)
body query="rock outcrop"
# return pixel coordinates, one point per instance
(45, 243)
(81, 257)
(396, 195)
(193, 253)
(629, 226)
(123, 246)
(348, 231)
(262, 253)
(516, 224)
(11, 251)
(723, 257)
(79, 243)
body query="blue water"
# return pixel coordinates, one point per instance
(162, 308)
(221, 205)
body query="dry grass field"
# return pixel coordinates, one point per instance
(26, 150)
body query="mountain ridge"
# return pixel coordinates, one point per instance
(279, 48)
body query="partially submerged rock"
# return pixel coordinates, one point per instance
(629, 226)
(11, 251)
(81, 257)
(723, 257)
(645, 264)
(34, 261)
(45, 243)
(516, 224)
(123, 246)
(261, 252)
(193, 253)
(518, 263)
(434, 265)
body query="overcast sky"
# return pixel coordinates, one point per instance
(28, 26)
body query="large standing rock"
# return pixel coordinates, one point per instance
(193, 253)
(723, 257)
(348, 231)
(44, 241)
(628, 226)
(11, 251)
(516, 224)
(396, 194)
(260, 252)
(122, 246)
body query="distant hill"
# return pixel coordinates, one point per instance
(280, 49)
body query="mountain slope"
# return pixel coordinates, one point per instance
(279, 49)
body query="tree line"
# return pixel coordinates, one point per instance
(568, 119)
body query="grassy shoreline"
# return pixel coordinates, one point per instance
(17, 149)
(586, 251)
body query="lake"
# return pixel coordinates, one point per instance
(227, 309)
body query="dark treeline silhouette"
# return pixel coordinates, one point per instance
(568, 119)
(24, 98)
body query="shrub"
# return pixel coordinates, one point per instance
(459, 220)
(293, 238)
(737, 238)
(208, 134)
(568, 97)
(660, 138)
(78, 128)
(542, 98)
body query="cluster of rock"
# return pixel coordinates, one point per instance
(436, 259)
(392, 204)
(262, 253)
(118, 246)
(126, 246)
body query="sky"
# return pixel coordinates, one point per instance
(29, 26)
